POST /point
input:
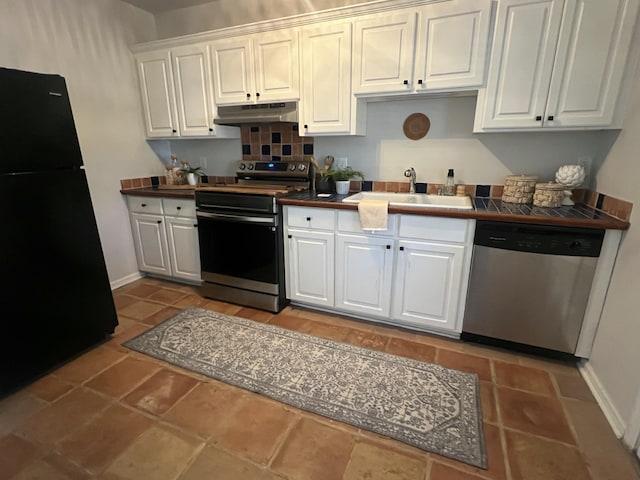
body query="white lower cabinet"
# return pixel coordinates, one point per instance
(427, 286)
(165, 237)
(413, 274)
(364, 269)
(309, 268)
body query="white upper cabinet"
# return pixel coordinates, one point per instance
(158, 98)
(177, 95)
(327, 106)
(556, 64)
(452, 45)
(256, 68)
(194, 99)
(437, 47)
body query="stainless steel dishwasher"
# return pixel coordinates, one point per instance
(530, 285)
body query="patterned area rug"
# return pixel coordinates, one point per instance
(424, 405)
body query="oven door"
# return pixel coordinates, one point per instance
(240, 250)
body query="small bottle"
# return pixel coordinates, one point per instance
(450, 184)
(175, 167)
(169, 173)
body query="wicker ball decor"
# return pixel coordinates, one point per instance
(519, 188)
(548, 195)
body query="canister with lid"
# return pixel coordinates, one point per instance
(519, 188)
(548, 194)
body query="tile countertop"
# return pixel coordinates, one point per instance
(484, 209)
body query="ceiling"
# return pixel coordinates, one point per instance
(158, 6)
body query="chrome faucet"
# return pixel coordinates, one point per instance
(411, 173)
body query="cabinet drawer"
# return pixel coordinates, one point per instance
(314, 218)
(433, 228)
(349, 222)
(151, 205)
(179, 207)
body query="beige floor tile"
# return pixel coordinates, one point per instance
(465, 362)
(533, 458)
(206, 409)
(158, 454)
(16, 409)
(255, 429)
(160, 392)
(325, 330)
(410, 349)
(15, 454)
(122, 300)
(143, 290)
(122, 377)
(440, 471)
(213, 463)
(369, 461)
(141, 310)
(253, 314)
(602, 450)
(164, 295)
(365, 339)
(489, 402)
(49, 388)
(496, 468)
(222, 307)
(523, 378)
(314, 451)
(51, 468)
(161, 316)
(573, 386)
(291, 322)
(533, 413)
(62, 417)
(86, 366)
(96, 444)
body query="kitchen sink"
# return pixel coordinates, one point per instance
(421, 200)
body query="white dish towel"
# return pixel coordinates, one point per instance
(373, 214)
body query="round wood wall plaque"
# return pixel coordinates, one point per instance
(416, 126)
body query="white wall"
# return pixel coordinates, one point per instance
(616, 352)
(227, 13)
(384, 153)
(87, 42)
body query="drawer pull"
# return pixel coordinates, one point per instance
(178, 208)
(388, 247)
(402, 249)
(308, 219)
(159, 221)
(288, 236)
(143, 205)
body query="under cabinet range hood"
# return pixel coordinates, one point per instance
(283, 112)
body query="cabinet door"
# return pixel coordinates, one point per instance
(276, 58)
(157, 92)
(428, 283)
(326, 79)
(590, 61)
(452, 45)
(310, 267)
(150, 241)
(524, 47)
(184, 250)
(383, 53)
(194, 100)
(364, 266)
(232, 68)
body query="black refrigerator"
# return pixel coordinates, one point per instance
(55, 297)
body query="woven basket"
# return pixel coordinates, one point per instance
(548, 195)
(519, 188)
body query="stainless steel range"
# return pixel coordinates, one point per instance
(240, 233)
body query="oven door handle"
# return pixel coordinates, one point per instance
(239, 218)
(231, 207)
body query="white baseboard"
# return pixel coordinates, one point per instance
(604, 402)
(125, 280)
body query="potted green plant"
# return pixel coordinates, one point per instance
(191, 174)
(342, 178)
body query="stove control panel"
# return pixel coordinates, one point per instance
(261, 169)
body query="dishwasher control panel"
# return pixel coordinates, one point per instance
(544, 239)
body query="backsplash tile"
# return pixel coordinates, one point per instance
(274, 142)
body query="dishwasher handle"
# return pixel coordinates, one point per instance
(543, 239)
